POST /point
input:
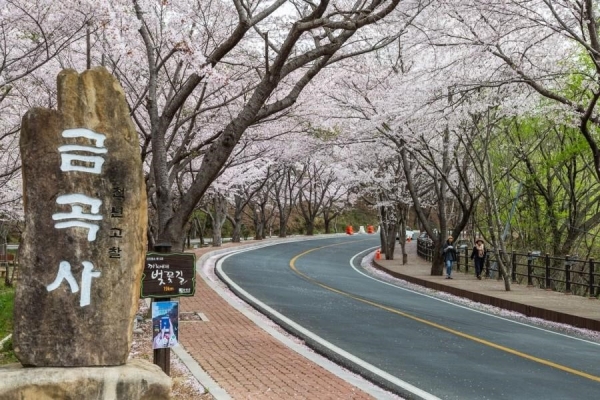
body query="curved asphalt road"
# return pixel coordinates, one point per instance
(404, 340)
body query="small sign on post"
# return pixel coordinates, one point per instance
(165, 324)
(168, 275)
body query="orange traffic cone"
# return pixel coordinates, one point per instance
(378, 254)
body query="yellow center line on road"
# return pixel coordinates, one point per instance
(435, 325)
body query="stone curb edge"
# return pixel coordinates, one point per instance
(195, 369)
(529, 311)
(325, 351)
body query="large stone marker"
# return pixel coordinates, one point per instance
(83, 248)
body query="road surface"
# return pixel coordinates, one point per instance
(415, 345)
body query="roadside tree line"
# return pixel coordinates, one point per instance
(456, 116)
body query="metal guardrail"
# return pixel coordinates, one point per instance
(562, 274)
(8, 260)
(425, 249)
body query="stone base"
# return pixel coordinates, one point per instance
(136, 380)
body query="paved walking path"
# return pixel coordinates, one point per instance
(573, 310)
(246, 362)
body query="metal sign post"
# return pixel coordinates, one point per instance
(167, 275)
(162, 357)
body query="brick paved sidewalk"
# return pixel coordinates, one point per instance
(246, 361)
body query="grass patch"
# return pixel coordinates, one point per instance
(7, 298)
(7, 355)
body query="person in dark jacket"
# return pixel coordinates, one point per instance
(449, 254)
(478, 256)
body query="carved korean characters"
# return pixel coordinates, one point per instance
(84, 244)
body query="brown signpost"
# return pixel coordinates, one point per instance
(168, 275)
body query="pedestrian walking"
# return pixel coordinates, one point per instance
(449, 255)
(478, 257)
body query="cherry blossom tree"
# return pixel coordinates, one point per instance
(490, 175)
(375, 175)
(337, 200)
(200, 75)
(309, 38)
(318, 182)
(32, 34)
(284, 191)
(255, 184)
(401, 99)
(545, 47)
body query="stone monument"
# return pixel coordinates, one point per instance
(82, 252)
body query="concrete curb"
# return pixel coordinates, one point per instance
(328, 359)
(330, 352)
(527, 310)
(195, 369)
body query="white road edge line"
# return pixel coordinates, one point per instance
(378, 394)
(195, 369)
(464, 307)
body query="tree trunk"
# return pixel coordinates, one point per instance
(236, 221)
(506, 278)
(200, 227)
(327, 223)
(310, 228)
(218, 218)
(236, 235)
(387, 232)
(259, 233)
(217, 237)
(282, 227)
(437, 261)
(403, 247)
(7, 281)
(391, 244)
(503, 271)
